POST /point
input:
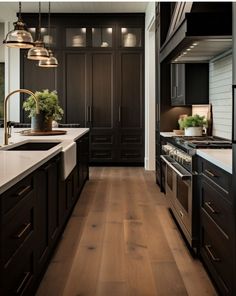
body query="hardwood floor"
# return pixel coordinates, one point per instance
(121, 240)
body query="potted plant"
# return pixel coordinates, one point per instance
(49, 110)
(193, 125)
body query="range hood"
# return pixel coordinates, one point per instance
(199, 38)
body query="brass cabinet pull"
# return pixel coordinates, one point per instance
(213, 257)
(22, 284)
(47, 167)
(211, 174)
(208, 204)
(25, 227)
(24, 190)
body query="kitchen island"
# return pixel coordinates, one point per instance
(38, 190)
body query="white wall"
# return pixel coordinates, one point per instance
(221, 96)
(2, 50)
(150, 87)
(12, 76)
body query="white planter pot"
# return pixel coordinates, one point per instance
(193, 131)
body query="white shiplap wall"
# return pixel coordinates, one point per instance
(221, 96)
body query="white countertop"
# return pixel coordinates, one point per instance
(219, 157)
(15, 165)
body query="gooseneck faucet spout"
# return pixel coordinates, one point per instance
(26, 91)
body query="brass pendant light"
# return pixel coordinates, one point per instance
(50, 62)
(19, 37)
(38, 52)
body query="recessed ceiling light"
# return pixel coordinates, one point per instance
(192, 46)
(188, 49)
(195, 43)
(185, 52)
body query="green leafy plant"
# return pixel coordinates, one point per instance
(48, 104)
(192, 121)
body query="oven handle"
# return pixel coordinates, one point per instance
(182, 176)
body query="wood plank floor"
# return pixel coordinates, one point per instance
(121, 240)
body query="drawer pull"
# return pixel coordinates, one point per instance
(213, 257)
(101, 154)
(24, 190)
(22, 284)
(23, 230)
(181, 214)
(208, 204)
(101, 139)
(211, 174)
(46, 168)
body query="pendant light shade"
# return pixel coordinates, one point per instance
(50, 62)
(19, 37)
(38, 52)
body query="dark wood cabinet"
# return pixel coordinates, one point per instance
(83, 160)
(17, 237)
(189, 84)
(100, 80)
(217, 227)
(47, 210)
(75, 71)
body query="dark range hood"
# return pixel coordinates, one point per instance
(199, 38)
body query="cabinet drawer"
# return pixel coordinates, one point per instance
(213, 202)
(101, 139)
(216, 253)
(17, 226)
(12, 196)
(217, 175)
(131, 139)
(101, 154)
(131, 154)
(18, 275)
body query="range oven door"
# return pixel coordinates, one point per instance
(178, 183)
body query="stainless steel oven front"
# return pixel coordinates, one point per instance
(178, 183)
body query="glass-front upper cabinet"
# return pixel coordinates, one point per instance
(131, 37)
(76, 37)
(48, 38)
(102, 37)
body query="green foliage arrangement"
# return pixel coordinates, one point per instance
(48, 104)
(192, 121)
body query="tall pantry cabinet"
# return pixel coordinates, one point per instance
(100, 79)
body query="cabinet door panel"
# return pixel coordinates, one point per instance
(102, 90)
(131, 90)
(75, 88)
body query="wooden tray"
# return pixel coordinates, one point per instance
(48, 133)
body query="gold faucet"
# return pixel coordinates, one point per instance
(6, 134)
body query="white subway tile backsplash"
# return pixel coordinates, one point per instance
(220, 96)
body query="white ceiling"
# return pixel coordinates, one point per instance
(9, 9)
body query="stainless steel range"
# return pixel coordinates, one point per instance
(179, 158)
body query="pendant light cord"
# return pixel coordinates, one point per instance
(49, 23)
(19, 17)
(39, 28)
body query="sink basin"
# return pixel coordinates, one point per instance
(32, 146)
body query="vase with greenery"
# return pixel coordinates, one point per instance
(49, 110)
(193, 125)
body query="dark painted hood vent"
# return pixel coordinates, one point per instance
(199, 38)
